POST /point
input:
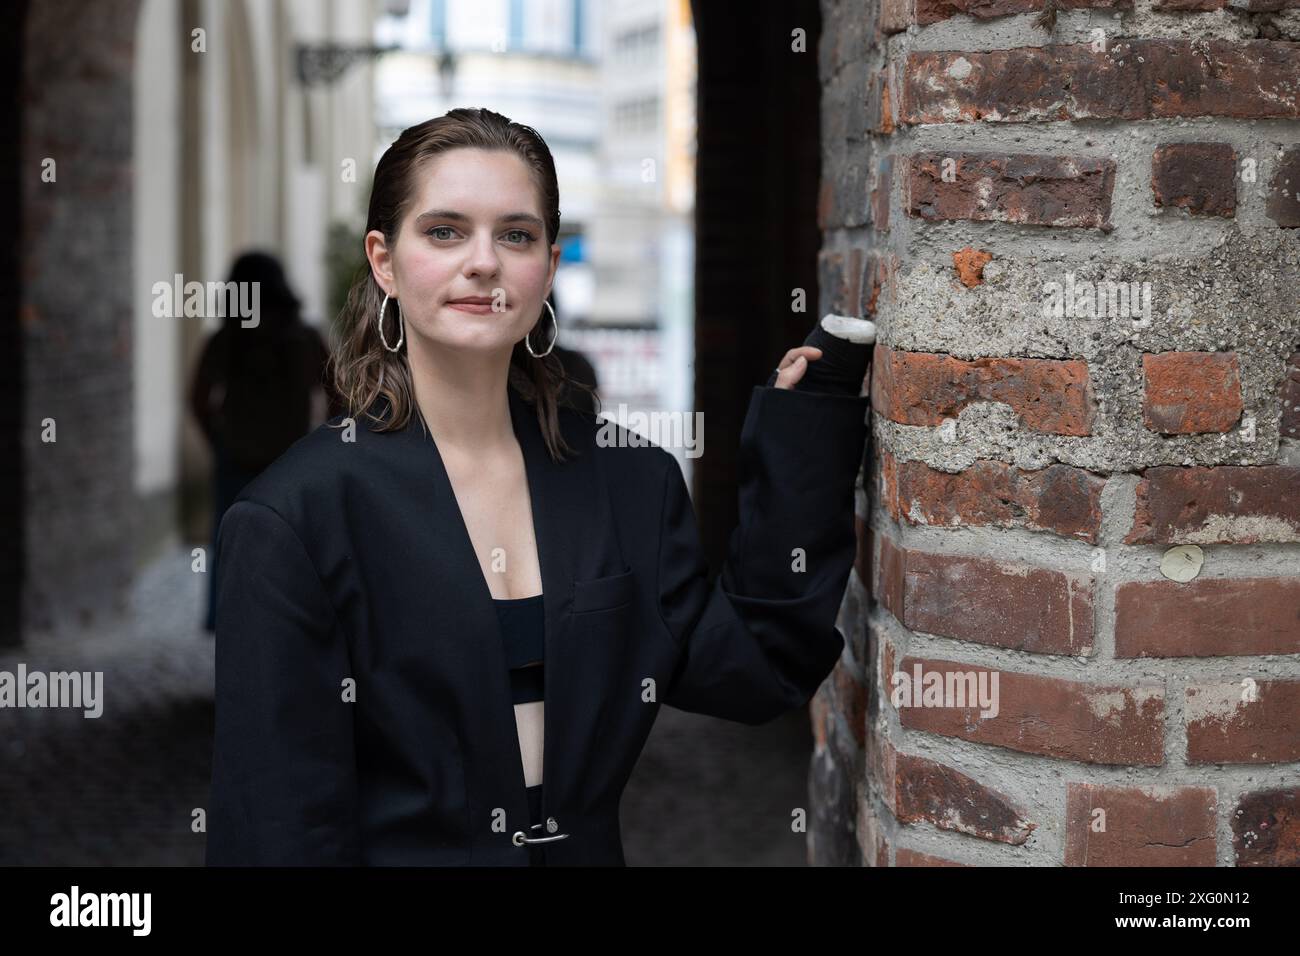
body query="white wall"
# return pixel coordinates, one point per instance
(158, 376)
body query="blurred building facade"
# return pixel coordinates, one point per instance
(610, 86)
(535, 62)
(154, 139)
(642, 237)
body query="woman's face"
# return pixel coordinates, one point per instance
(474, 230)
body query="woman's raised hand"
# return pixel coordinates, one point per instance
(793, 365)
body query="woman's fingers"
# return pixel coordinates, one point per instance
(794, 363)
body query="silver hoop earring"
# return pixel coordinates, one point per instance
(401, 328)
(554, 338)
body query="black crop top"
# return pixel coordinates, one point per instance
(523, 633)
(523, 629)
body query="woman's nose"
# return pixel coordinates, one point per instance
(481, 258)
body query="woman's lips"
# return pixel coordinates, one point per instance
(477, 308)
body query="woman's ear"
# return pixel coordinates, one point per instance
(381, 260)
(555, 265)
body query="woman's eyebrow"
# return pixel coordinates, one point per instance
(461, 217)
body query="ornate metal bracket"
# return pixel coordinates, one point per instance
(324, 63)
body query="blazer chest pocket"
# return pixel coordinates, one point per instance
(607, 593)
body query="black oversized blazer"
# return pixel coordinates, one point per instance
(351, 560)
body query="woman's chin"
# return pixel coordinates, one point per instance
(484, 338)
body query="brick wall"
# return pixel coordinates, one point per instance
(1080, 234)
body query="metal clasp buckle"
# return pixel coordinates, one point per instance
(521, 839)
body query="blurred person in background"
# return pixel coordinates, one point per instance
(257, 390)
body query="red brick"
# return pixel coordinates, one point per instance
(924, 388)
(875, 275)
(1184, 6)
(1290, 398)
(1253, 721)
(896, 15)
(1191, 392)
(970, 263)
(888, 120)
(889, 577)
(1041, 190)
(851, 296)
(1198, 177)
(933, 11)
(930, 792)
(1207, 617)
(906, 857)
(880, 192)
(1131, 79)
(900, 14)
(1143, 826)
(1265, 829)
(1052, 717)
(1059, 498)
(880, 107)
(887, 487)
(999, 603)
(1284, 192)
(1224, 504)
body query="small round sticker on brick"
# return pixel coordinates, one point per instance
(1182, 563)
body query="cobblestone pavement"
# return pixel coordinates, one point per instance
(121, 789)
(710, 792)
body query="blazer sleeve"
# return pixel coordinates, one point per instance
(284, 782)
(760, 640)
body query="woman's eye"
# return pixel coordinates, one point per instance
(437, 229)
(527, 236)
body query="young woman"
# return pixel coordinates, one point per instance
(404, 590)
